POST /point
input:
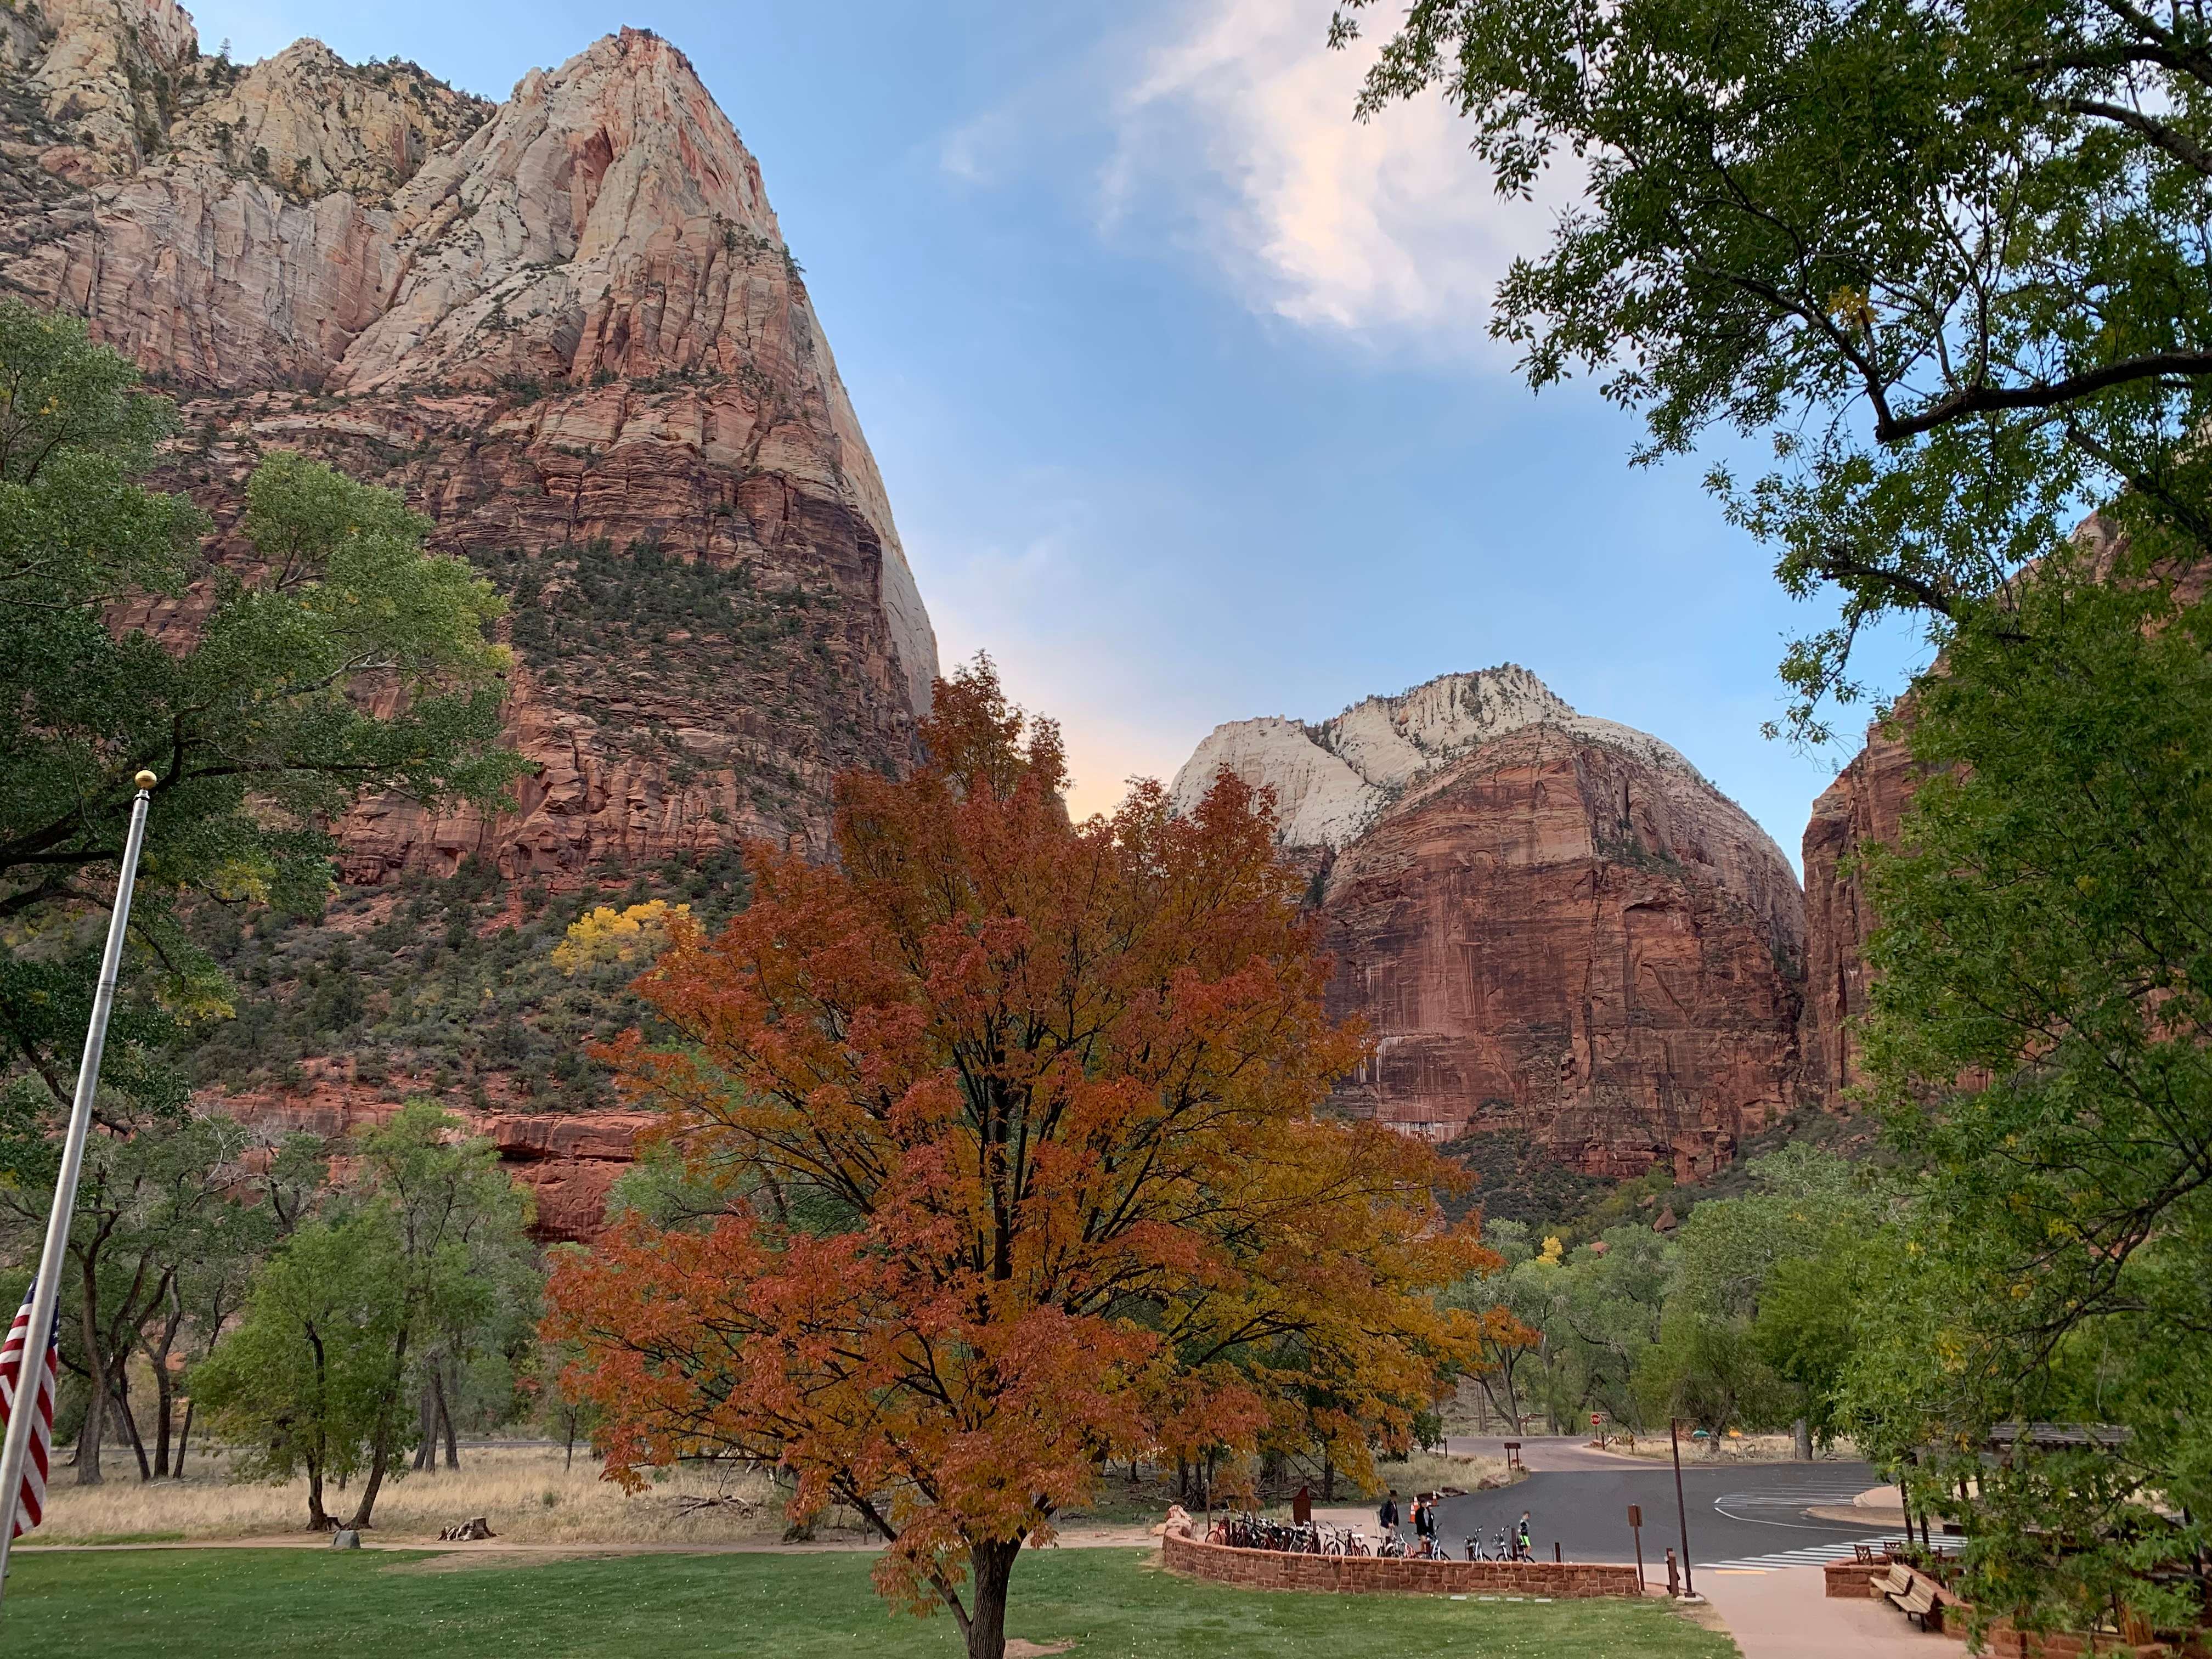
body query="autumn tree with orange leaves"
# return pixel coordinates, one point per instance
(1030, 1170)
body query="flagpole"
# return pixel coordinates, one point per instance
(47, 1293)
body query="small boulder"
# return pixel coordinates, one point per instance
(345, 1539)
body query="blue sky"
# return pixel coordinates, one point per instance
(1178, 377)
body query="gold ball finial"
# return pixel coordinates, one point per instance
(146, 780)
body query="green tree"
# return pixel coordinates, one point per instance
(1595, 1310)
(1810, 1320)
(157, 1210)
(1948, 253)
(1706, 1371)
(423, 1250)
(318, 655)
(2040, 1042)
(464, 1267)
(1747, 1338)
(298, 1388)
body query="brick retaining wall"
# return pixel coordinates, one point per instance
(1849, 1578)
(1358, 1574)
(2009, 1644)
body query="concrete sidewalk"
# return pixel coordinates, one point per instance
(1784, 1612)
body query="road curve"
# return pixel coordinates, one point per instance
(1739, 1512)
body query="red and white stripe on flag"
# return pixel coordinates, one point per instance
(33, 1504)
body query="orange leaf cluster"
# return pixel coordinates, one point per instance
(1032, 1169)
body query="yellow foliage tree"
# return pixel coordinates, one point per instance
(611, 935)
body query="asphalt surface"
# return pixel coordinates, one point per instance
(1744, 1512)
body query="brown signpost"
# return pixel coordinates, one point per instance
(1636, 1531)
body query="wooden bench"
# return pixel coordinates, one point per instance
(1916, 1595)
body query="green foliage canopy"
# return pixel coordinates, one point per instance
(2041, 1044)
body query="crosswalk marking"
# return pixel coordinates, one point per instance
(1812, 1555)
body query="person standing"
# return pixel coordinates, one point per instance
(1386, 1516)
(1524, 1549)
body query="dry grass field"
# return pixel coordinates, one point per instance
(525, 1491)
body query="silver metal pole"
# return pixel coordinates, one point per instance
(1681, 1509)
(16, 1448)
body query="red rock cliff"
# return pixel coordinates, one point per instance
(1550, 924)
(1866, 802)
(568, 328)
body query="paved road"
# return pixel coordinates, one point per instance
(1546, 1452)
(1749, 1513)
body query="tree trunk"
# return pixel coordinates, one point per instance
(426, 1448)
(1327, 1477)
(165, 1405)
(378, 1459)
(380, 1452)
(991, 1568)
(319, 1519)
(185, 1435)
(569, 1461)
(95, 1406)
(445, 1416)
(1802, 1434)
(131, 1421)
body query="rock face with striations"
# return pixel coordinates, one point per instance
(1552, 925)
(1866, 802)
(568, 328)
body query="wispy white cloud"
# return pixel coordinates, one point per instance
(1240, 127)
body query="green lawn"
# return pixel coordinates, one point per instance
(245, 1604)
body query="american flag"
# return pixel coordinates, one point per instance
(33, 1504)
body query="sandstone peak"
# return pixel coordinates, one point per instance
(589, 275)
(312, 125)
(1332, 781)
(105, 70)
(567, 327)
(544, 243)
